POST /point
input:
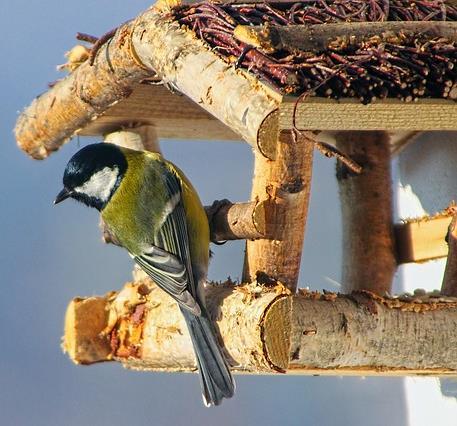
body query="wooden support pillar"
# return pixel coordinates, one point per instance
(285, 181)
(449, 287)
(366, 205)
(138, 137)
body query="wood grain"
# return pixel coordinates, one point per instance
(350, 114)
(173, 116)
(421, 240)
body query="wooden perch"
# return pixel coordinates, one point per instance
(449, 286)
(152, 333)
(319, 37)
(267, 330)
(149, 45)
(242, 221)
(366, 206)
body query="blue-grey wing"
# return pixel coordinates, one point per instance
(169, 273)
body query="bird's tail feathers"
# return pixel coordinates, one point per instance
(216, 379)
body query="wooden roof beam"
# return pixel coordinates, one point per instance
(147, 46)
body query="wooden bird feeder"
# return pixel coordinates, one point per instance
(262, 73)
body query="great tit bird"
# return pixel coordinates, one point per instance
(153, 211)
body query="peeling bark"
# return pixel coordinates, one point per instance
(73, 102)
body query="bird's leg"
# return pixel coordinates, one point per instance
(107, 235)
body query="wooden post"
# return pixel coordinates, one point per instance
(286, 181)
(139, 138)
(449, 287)
(366, 205)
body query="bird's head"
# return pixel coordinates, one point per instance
(93, 174)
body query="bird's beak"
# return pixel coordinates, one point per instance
(62, 195)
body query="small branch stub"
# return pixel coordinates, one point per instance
(247, 221)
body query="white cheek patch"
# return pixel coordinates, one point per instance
(100, 184)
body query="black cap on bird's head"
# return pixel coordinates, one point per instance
(93, 174)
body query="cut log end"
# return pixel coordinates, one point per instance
(84, 321)
(275, 333)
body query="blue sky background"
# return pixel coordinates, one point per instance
(50, 255)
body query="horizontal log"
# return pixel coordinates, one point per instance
(150, 333)
(242, 221)
(267, 330)
(150, 45)
(319, 37)
(417, 240)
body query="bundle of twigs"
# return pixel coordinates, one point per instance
(406, 66)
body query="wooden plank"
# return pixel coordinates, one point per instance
(422, 240)
(350, 114)
(174, 116)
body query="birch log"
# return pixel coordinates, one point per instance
(366, 204)
(149, 45)
(285, 181)
(267, 330)
(150, 332)
(242, 221)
